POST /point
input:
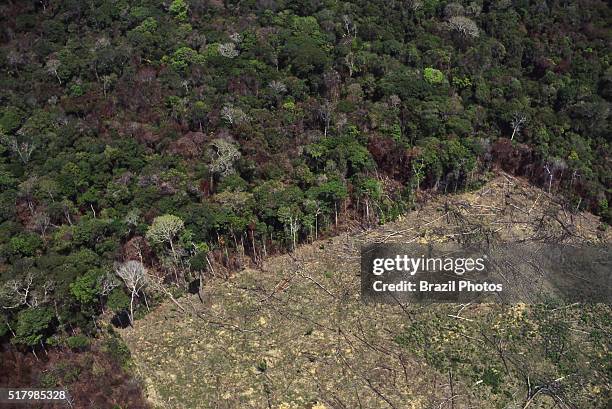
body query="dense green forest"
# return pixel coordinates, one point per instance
(146, 143)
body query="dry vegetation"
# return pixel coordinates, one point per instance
(96, 377)
(294, 333)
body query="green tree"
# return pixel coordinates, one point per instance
(33, 325)
(332, 192)
(180, 9)
(433, 76)
(86, 289)
(25, 244)
(370, 190)
(164, 230)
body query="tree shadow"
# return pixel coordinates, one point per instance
(121, 319)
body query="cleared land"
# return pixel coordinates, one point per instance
(294, 334)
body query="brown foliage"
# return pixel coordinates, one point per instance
(93, 378)
(243, 85)
(513, 158)
(563, 67)
(135, 248)
(22, 212)
(205, 187)
(189, 145)
(390, 158)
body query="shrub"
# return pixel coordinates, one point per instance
(78, 342)
(433, 76)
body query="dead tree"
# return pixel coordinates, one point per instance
(133, 274)
(517, 123)
(22, 147)
(325, 113)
